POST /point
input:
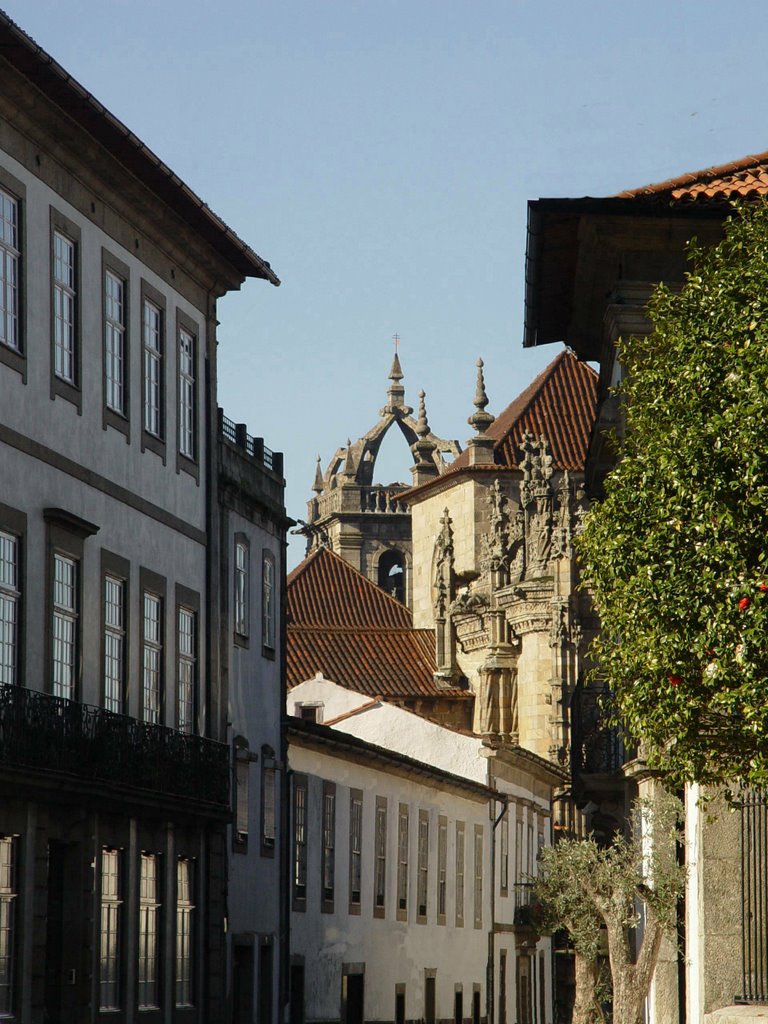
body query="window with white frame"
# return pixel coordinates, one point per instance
(242, 791)
(241, 587)
(152, 657)
(328, 853)
(65, 615)
(9, 271)
(460, 861)
(355, 845)
(64, 297)
(268, 599)
(109, 945)
(185, 921)
(152, 338)
(10, 603)
(268, 806)
(114, 643)
(186, 394)
(402, 862)
(380, 869)
(9, 894)
(422, 866)
(114, 342)
(442, 867)
(478, 893)
(149, 932)
(300, 838)
(504, 853)
(187, 666)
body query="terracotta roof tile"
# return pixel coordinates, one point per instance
(559, 403)
(740, 179)
(387, 663)
(358, 636)
(324, 590)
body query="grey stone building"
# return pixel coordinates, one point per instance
(114, 738)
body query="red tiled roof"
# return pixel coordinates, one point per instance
(353, 632)
(559, 403)
(324, 590)
(740, 179)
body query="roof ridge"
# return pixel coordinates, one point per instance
(694, 177)
(535, 388)
(297, 570)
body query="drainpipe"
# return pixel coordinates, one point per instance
(502, 798)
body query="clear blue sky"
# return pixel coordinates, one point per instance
(380, 153)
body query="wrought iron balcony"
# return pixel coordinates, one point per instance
(41, 732)
(597, 748)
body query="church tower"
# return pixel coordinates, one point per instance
(362, 520)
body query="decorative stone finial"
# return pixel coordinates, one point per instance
(422, 426)
(423, 450)
(481, 446)
(318, 486)
(349, 463)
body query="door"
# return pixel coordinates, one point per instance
(429, 1000)
(242, 984)
(265, 984)
(352, 999)
(62, 934)
(297, 994)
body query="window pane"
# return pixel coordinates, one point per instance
(152, 659)
(114, 341)
(9, 607)
(111, 906)
(8, 901)
(152, 337)
(64, 307)
(9, 271)
(186, 394)
(185, 909)
(114, 643)
(149, 918)
(186, 670)
(64, 626)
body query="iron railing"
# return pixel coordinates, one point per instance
(754, 896)
(596, 747)
(237, 434)
(41, 732)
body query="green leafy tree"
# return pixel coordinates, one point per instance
(586, 888)
(676, 555)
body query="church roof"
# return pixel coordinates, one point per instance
(341, 624)
(739, 179)
(559, 403)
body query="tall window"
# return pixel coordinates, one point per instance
(9, 272)
(518, 858)
(242, 791)
(355, 845)
(185, 920)
(380, 866)
(300, 839)
(186, 394)
(402, 862)
(149, 932)
(268, 600)
(114, 643)
(187, 670)
(10, 602)
(478, 894)
(111, 910)
(114, 342)
(152, 329)
(152, 657)
(422, 866)
(8, 899)
(460, 860)
(241, 588)
(328, 859)
(65, 606)
(268, 808)
(504, 853)
(442, 867)
(64, 324)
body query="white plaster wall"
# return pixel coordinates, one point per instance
(56, 423)
(334, 699)
(394, 952)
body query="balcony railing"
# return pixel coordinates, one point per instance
(597, 748)
(237, 434)
(42, 732)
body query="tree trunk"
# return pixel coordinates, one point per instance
(586, 1008)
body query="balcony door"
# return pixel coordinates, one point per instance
(62, 934)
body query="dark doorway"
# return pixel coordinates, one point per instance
(392, 574)
(352, 999)
(503, 987)
(524, 1014)
(62, 934)
(458, 1007)
(476, 1007)
(297, 994)
(429, 1000)
(399, 1007)
(242, 984)
(265, 984)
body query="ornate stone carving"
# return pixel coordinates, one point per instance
(444, 582)
(496, 711)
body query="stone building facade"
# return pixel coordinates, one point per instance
(114, 755)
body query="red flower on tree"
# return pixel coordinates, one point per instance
(674, 680)
(744, 603)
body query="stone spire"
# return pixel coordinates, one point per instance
(349, 462)
(396, 391)
(318, 485)
(480, 446)
(423, 450)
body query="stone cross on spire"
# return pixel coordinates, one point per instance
(396, 391)
(480, 446)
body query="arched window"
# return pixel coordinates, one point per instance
(392, 574)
